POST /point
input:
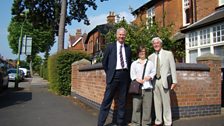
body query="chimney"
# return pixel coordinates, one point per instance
(111, 18)
(78, 33)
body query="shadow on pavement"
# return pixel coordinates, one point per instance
(14, 96)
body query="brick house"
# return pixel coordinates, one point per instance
(206, 34)
(164, 12)
(76, 42)
(95, 39)
(190, 17)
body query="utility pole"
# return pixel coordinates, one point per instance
(19, 50)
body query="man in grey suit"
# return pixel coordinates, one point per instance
(165, 66)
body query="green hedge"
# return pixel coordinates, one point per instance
(59, 70)
(43, 71)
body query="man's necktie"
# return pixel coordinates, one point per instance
(158, 75)
(121, 57)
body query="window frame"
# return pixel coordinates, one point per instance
(151, 15)
(185, 7)
(221, 2)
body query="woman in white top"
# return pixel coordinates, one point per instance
(142, 103)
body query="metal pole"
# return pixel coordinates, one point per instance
(19, 50)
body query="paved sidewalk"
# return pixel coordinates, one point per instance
(36, 80)
(33, 105)
(215, 120)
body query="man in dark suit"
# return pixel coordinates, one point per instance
(116, 64)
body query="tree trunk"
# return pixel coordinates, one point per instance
(31, 69)
(61, 33)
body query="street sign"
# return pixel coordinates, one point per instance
(27, 45)
(23, 51)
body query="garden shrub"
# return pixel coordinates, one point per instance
(59, 70)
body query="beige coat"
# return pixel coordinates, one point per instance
(167, 66)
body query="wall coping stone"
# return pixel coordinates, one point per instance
(192, 66)
(209, 56)
(91, 67)
(179, 66)
(82, 61)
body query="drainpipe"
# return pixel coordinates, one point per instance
(192, 11)
(195, 11)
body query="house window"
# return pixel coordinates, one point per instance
(221, 2)
(205, 36)
(193, 40)
(97, 44)
(218, 33)
(151, 15)
(219, 50)
(193, 56)
(186, 12)
(91, 46)
(205, 50)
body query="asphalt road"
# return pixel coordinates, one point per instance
(33, 105)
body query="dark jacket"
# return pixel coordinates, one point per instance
(110, 60)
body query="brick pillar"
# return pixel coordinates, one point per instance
(214, 63)
(74, 75)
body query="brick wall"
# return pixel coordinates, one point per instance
(92, 42)
(205, 7)
(198, 92)
(140, 18)
(172, 13)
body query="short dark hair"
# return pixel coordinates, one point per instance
(140, 47)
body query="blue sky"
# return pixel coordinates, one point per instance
(120, 7)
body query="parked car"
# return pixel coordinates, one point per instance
(4, 79)
(26, 72)
(12, 74)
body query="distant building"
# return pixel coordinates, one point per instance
(95, 40)
(76, 42)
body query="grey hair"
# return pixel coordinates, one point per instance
(121, 29)
(157, 38)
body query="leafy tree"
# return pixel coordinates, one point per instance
(41, 13)
(37, 61)
(143, 34)
(42, 39)
(135, 36)
(48, 13)
(24, 64)
(40, 23)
